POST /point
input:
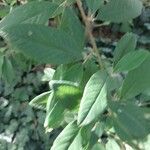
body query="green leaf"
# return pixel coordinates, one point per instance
(58, 1)
(114, 82)
(147, 25)
(124, 46)
(67, 92)
(60, 72)
(4, 10)
(8, 71)
(77, 143)
(98, 129)
(50, 102)
(28, 13)
(131, 61)
(94, 5)
(48, 74)
(145, 144)
(86, 133)
(136, 81)
(67, 2)
(98, 146)
(66, 96)
(1, 64)
(44, 44)
(73, 73)
(94, 99)
(112, 144)
(66, 137)
(129, 121)
(120, 10)
(40, 101)
(63, 5)
(89, 69)
(55, 115)
(71, 24)
(93, 140)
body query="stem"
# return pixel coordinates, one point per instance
(87, 58)
(89, 32)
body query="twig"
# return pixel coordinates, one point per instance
(89, 32)
(87, 58)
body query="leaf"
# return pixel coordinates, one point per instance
(1, 64)
(77, 143)
(145, 144)
(147, 25)
(28, 13)
(86, 134)
(73, 73)
(63, 5)
(8, 71)
(67, 2)
(112, 144)
(53, 119)
(94, 5)
(60, 72)
(120, 10)
(50, 102)
(66, 137)
(136, 81)
(4, 10)
(48, 74)
(66, 96)
(94, 99)
(71, 24)
(114, 82)
(89, 69)
(93, 140)
(99, 129)
(124, 46)
(129, 121)
(98, 146)
(58, 1)
(131, 61)
(44, 44)
(40, 101)
(67, 92)
(55, 115)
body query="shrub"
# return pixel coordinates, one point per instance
(95, 98)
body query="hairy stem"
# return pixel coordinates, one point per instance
(87, 23)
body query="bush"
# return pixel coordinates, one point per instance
(100, 100)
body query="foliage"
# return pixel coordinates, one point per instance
(21, 127)
(100, 102)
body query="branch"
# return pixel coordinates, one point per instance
(88, 27)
